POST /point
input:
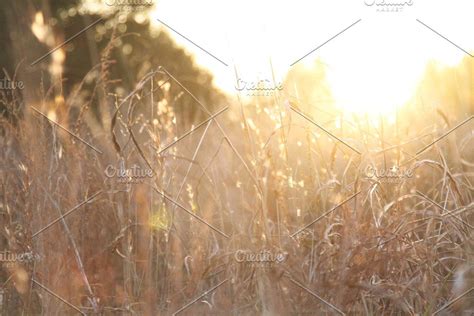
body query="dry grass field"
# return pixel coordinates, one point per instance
(162, 197)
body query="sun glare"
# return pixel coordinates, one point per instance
(372, 67)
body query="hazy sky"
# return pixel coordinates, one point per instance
(377, 60)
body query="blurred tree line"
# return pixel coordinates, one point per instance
(114, 54)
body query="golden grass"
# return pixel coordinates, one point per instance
(258, 174)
